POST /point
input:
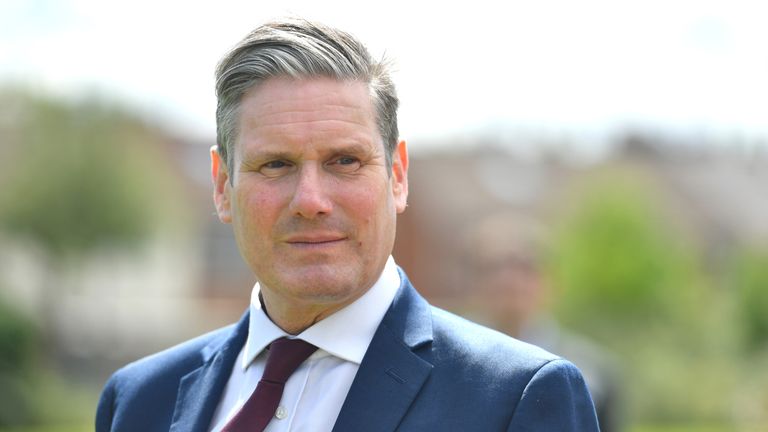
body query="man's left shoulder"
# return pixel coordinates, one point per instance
(523, 382)
(488, 356)
(482, 343)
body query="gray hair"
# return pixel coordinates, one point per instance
(300, 49)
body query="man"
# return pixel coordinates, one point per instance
(311, 175)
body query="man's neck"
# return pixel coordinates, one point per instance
(295, 317)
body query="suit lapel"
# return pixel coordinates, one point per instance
(391, 373)
(201, 389)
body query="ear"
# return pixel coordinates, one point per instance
(221, 187)
(400, 176)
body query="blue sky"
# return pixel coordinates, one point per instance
(553, 66)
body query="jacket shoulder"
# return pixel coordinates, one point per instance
(509, 383)
(484, 346)
(151, 383)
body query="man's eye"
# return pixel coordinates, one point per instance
(345, 164)
(274, 168)
(275, 164)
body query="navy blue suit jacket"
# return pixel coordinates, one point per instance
(425, 370)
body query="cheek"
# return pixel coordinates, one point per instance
(376, 212)
(257, 210)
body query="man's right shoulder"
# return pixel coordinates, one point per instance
(151, 384)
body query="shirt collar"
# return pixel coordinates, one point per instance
(334, 334)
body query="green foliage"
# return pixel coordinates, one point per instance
(673, 384)
(614, 259)
(685, 428)
(18, 357)
(75, 176)
(84, 427)
(750, 281)
(628, 278)
(49, 404)
(18, 340)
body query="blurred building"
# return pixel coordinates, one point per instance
(716, 195)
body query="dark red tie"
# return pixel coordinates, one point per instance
(285, 355)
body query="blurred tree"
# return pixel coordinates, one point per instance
(750, 280)
(18, 357)
(76, 176)
(615, 259)
(627, 277)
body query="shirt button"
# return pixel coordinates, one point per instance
(281, 412)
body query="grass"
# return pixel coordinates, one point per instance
(49, 428)
(697, 428)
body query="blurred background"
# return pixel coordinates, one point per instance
(590, 176)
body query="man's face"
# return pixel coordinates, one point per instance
(312, 203)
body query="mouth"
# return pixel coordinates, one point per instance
(315, 240)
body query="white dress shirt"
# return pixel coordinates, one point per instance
(314, 394)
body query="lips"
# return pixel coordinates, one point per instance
(318, 239)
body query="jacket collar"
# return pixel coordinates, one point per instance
(392, 372)
(389, 378)
(201, 389)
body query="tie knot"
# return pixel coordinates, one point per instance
(285, 355)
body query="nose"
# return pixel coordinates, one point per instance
(311, 196)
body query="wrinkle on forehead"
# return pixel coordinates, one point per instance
(307, 117)
(285, 100)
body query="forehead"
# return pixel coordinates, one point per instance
(309, 106)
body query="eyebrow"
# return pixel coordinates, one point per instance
(267, 155)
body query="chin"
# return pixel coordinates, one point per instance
(324, 284)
